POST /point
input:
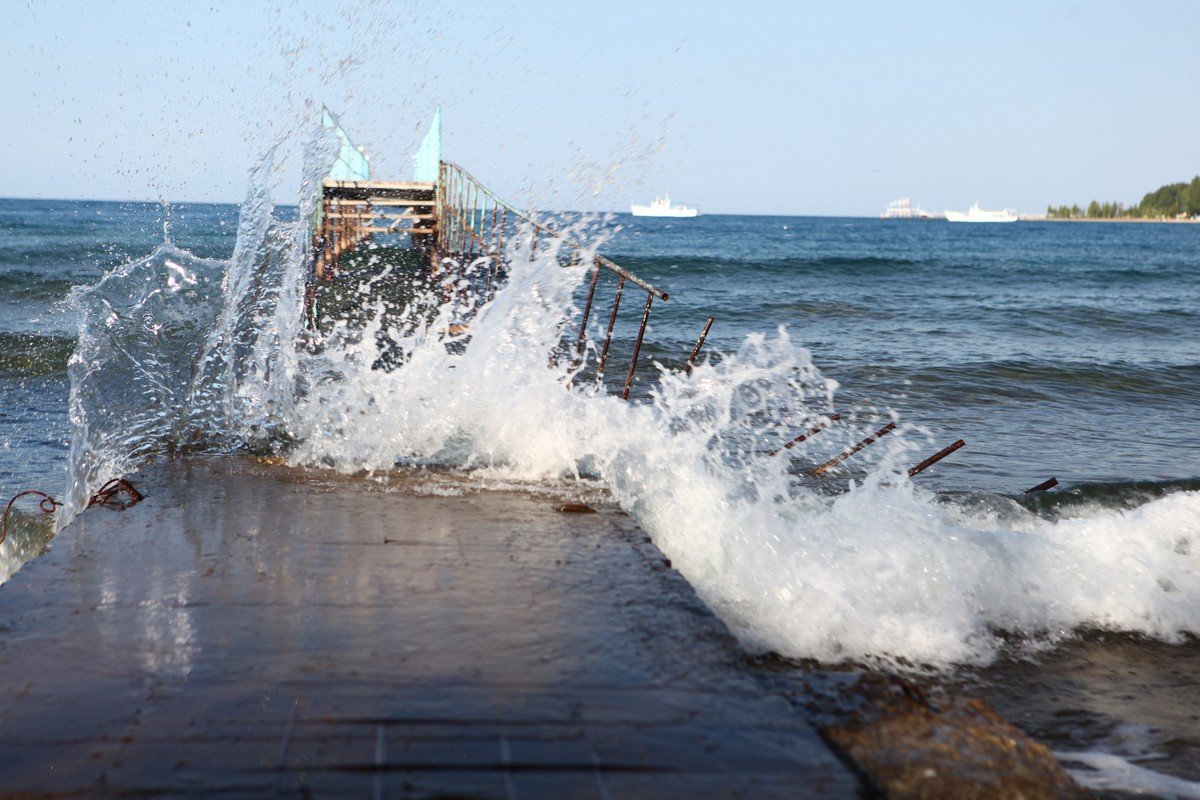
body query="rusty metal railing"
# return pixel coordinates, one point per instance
(478, 232)
(471, 237)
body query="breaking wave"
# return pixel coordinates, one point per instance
(178, 352)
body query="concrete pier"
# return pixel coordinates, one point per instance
(251, 631)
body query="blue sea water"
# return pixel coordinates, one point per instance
(1064, 349)
(1053, 349)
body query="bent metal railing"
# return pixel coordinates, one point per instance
(477, 229)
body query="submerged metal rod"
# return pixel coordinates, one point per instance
(936, 457)
(612, 320)
(637, 346)
(876, 436)
(699, 343)
(1043, 486)
(810, 432)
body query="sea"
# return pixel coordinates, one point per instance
(132, 331)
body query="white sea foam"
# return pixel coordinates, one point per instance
(1109, 772)
(884, 572)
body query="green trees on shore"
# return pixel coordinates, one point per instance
(1169, 201)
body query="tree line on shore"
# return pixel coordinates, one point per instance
(1172, 200)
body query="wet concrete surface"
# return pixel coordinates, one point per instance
(248, 631)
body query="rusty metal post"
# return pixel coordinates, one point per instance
(637, 346)
(492, 254)
(465, 246)
(451, 221)
(587, 310)
(439, 201)
(458, 217)
(467, 242)
(332, 267)
(936, 457)
(464, 241)
(451, 216)
(503, 242)
(1043, 486)
(825, 423)
(833, 462)
(474, 201)
(699, 343)
(612, 320)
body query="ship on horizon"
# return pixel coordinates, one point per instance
(977, 214)
(661, 207)
(903, 209)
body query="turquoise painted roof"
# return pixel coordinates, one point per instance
(351, 164)
(429, 154)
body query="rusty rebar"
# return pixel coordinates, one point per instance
(637, 346)
(612, 321)
(1043, 486)
(47, 504)
(936, 457)
(699, 343)
(876, 436)
(111, 489)
(813, 431)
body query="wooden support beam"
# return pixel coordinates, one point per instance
(415, 186)
(418, 231)
(381, 201)
(379, 215)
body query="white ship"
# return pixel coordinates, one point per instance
(903, 209)
(661, 207)
(977, 214)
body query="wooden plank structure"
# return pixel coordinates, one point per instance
(466, 231)
(352, 212)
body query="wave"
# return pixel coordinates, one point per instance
(1056, 319)
(29, 533)
(1075, 499)
(1041, 379)
(32, 355)
(702, 264)
(30, 285)
(177, 352)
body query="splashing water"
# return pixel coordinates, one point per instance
(178, 353)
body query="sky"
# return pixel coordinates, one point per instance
(736, 107)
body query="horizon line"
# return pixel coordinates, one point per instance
(295, 205)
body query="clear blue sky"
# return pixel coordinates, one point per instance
(738, 107)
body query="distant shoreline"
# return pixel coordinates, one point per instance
(1168, 220)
